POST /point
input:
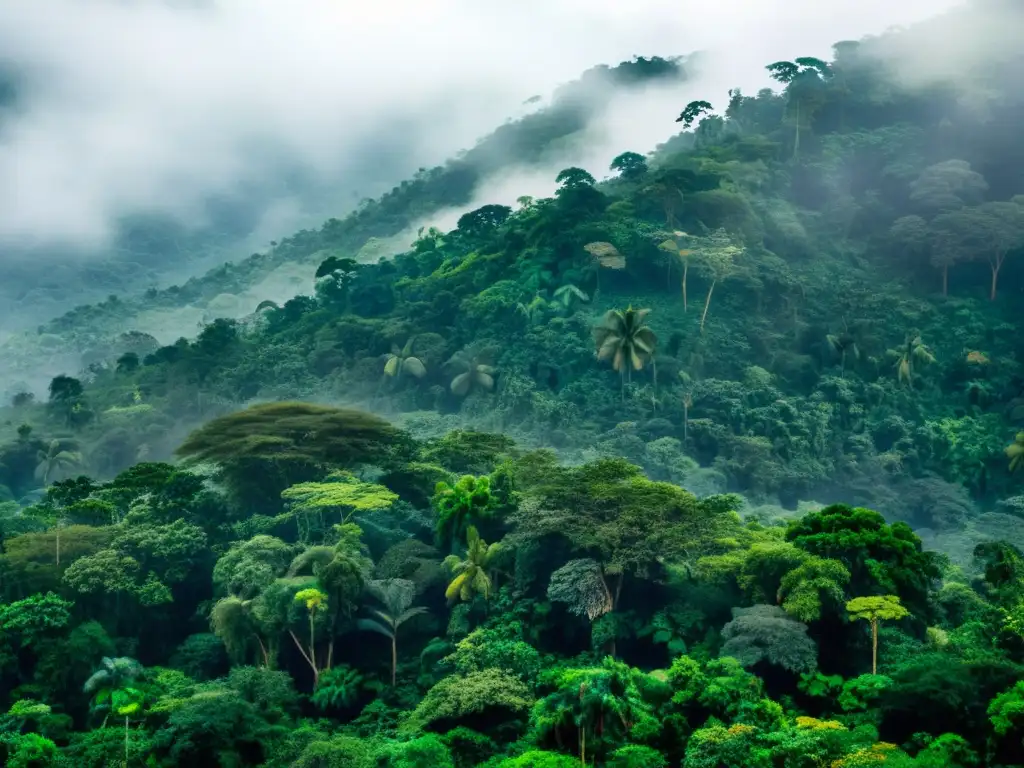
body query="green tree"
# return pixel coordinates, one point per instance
(57, 459)
(693, 111)
(395, 597)
(341, 493)
(629, 165)
(768, 633)
(567, 295)
(401, 361)
(264, 449)
(874, 610)
(474, 374)
(673, 247)
(804, 80)
(471, 574)
(717, 255)
(877, 555)
(113, 690)
(465, 503)
(624, 339)
(912, 354)
(314, 600)
(603, 256)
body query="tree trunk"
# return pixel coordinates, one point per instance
(686, 267)
(394, 657)
(945, 279)
(686, 423)
(58, 544)
(796, 143)
(126, 741)
(707, 303)
(263, 650)
(874, 646)
(995, 277)
(312, 643)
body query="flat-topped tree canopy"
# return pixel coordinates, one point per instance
(265, 448)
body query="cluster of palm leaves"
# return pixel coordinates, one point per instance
(626, 340)
(401, 361)
(474, 375)
(471, 575)
(913, 354)
(395, 597)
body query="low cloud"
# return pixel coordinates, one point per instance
(133, 107)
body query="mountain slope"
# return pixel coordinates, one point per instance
(281, 271)
(813, 357)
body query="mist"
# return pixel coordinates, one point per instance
(126, 108)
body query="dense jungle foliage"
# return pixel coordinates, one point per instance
(709, 465)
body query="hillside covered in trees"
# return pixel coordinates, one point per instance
(712, 464)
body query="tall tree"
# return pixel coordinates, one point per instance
(113, 690)
(693, 111)
(717, 254)
(673, 247)
(629, 165)
(264, 449)
(804, 80)
(626, 340)
(395, 597)
(874, 610)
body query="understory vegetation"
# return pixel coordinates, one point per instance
(712, 464)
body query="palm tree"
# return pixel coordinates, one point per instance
(568, 295)
(474, 375)
(470, 575)
(914, 352)
(111, 686)
(401, 360)
(843, 344)
(534, 311)
(395, 596)
(459, 505)
(624, 339)
(55, 459)
(1015, 452)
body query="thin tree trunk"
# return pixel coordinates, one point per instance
(686, 423)
(126, 741)
(945, 279)
(58, 544)
(263, 650)
(306, 656)
(707, 303)
(330, 653)
(874, 647)
(394, 657)
(796, 143)
(996, 266)
(686, 268)
(312, 645)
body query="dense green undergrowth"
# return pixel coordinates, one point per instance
(620, 510)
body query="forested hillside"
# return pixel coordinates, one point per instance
(149, 249)
(712, 464)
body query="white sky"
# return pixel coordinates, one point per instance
(141, 105)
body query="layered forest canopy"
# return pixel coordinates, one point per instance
(711, 464)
